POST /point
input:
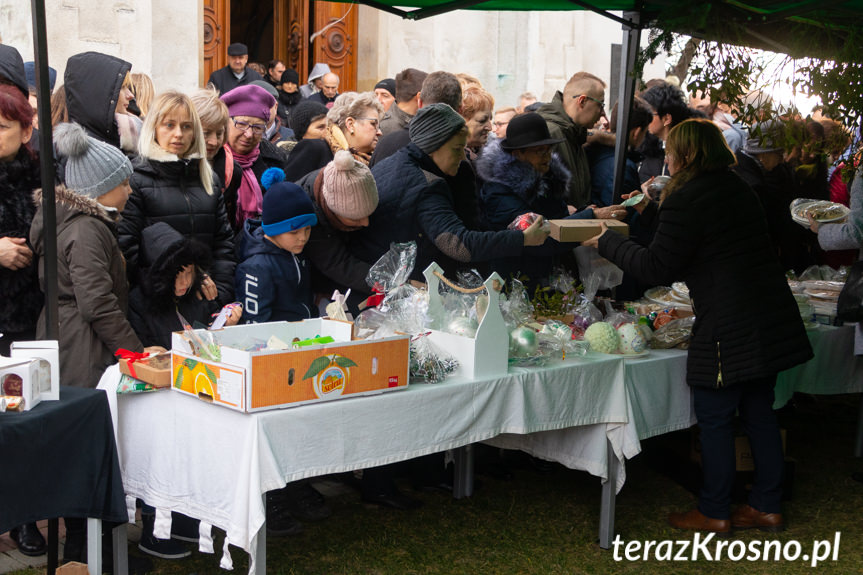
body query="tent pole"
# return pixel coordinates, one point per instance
(628, 53)
(46, 164)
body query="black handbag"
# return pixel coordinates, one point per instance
(849, 309)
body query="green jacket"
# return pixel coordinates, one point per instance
(571, 150)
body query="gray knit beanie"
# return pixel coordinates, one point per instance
(433, 125)
(93, 168)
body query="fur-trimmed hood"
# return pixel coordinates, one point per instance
(499, 166)
(70, 207)
(76, 204)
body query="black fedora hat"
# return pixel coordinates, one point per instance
(527, 130)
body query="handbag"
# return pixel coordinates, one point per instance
(849, 308)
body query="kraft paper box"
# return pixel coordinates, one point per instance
(581, 230)
(258, 380)
(48, 351)
(25, 378)
(155, 370)
(73, 568)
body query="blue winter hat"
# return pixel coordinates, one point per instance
(30, 72)
(286, 208)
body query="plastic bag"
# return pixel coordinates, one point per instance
(203, 342)
(428, 361)
(585, 314)
(595, 271)
(394, 268)
(516, 308)
(674, 333)
(618, 318)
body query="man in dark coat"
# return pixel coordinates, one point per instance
(236, 73)
(418, 204)
(569, 115)
(437, 88)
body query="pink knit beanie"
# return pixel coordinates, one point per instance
(349, 188)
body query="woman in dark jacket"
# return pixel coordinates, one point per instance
(174, 183)
(20, 297)
(521, 175)
(94, 84)
(417, 202)
(712, 234)
(345, 195)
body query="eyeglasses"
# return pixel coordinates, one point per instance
(373, 122)
(599, 102)
(257, 129)
(500, 124)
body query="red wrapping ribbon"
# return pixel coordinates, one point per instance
(373, 300)
(131, 357)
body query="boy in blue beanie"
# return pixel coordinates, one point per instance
(273, 280)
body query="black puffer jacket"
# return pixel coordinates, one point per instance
(20, 297)
(712, 234)
(416, 203)
(92, 82)
(153, 306)
(167, 189)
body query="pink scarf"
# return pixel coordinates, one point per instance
(249, 195)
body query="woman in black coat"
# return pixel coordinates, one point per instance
(174, 183)
(713, 235)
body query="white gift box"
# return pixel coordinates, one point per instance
(22, 377)
(45, 350)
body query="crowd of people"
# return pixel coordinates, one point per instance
(273, 194)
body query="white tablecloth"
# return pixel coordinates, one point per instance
(181, 454)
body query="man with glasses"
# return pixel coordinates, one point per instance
(236, 73)
(249, 109)
(569, 116)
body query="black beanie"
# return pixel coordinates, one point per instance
(290, 75)
(387, 84)
(303, 114)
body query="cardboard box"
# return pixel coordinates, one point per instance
(743, 459)
(258, 380)
(73, 568)
(581, 230)
(48, 351)
(155, 370)
(24, 378)
(487, 353)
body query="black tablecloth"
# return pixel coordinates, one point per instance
(60, 460)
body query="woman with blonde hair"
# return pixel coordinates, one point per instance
(214, 120)
(174, 183)
(712, 234)
(142, 88)
(353, 124)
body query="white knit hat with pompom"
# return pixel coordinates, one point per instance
(349, 188)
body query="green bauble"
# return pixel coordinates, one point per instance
(523, 342)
